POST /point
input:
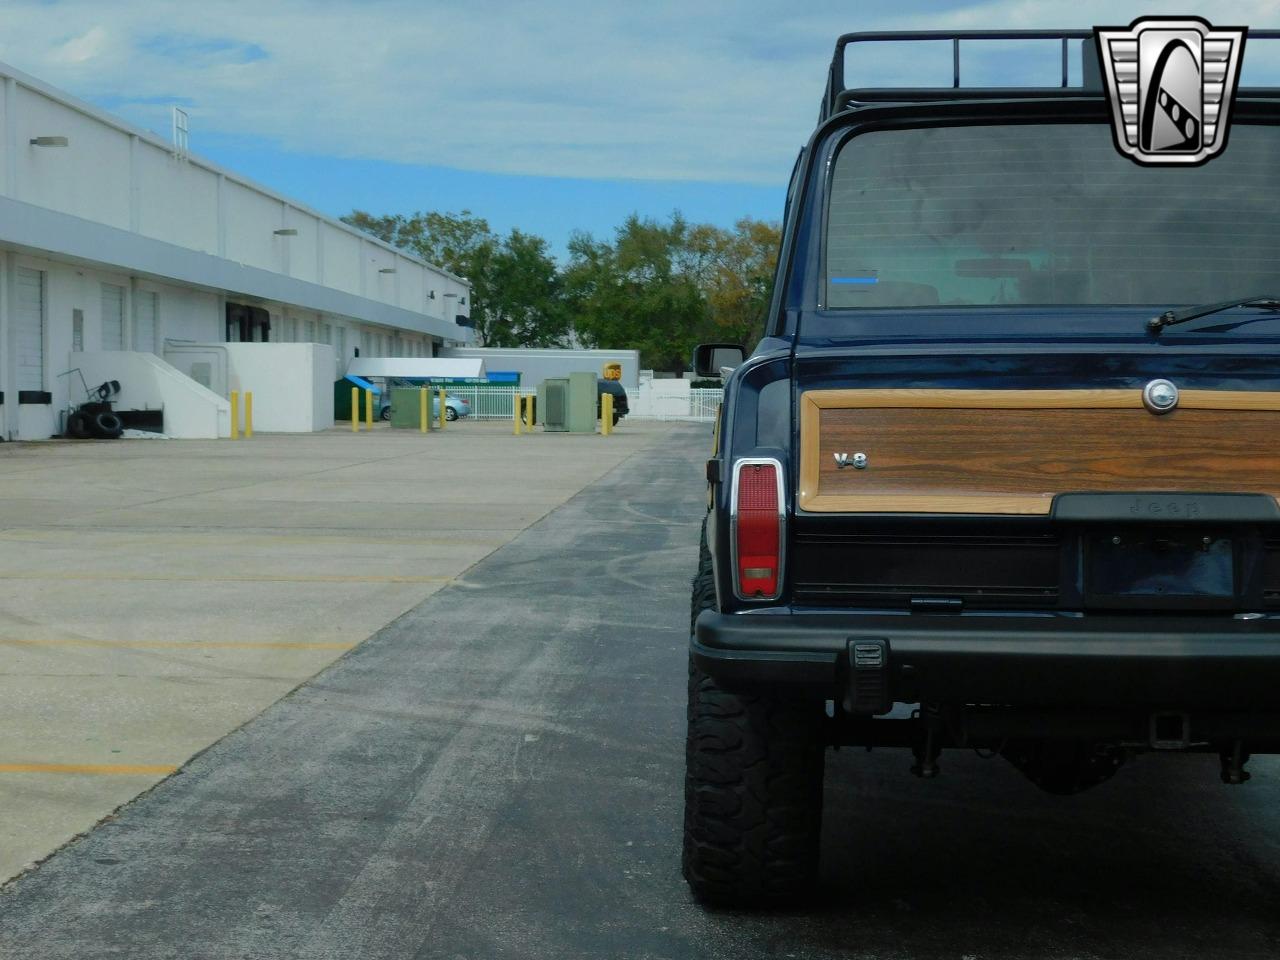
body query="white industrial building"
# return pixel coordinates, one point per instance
(124, 258)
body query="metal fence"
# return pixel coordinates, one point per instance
(489, 401)
(704, 402)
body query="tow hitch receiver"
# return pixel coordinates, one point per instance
(1170, 731)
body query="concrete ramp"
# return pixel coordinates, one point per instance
(191, 411)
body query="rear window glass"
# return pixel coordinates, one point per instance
(1047, 214)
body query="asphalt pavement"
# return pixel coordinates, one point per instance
(497, 774)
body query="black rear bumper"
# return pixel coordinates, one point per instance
(1179, 662)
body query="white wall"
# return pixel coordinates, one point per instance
(660, 398)
(116, 174)
(292, 384)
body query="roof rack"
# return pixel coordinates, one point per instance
(838, 97)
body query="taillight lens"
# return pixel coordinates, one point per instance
(758, 530)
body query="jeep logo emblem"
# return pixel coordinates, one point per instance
(1158, 507)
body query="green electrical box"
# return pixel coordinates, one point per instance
(568, 404)
(342, 399)
(583, 391)
(553, 404)
(406, 408)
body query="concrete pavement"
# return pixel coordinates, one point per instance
(154, 595)
(497, 774)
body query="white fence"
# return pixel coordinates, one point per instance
(489, 401)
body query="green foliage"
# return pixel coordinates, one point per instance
(637, 292)
(659, 287)
(515, 287)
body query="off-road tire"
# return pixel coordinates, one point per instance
(703, 596)
(753, 787)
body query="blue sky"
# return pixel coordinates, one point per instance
(550, 116)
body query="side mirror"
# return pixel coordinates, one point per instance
(715, 359)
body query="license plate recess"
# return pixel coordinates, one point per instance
(1186, 569)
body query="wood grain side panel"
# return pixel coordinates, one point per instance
(1015, 457)
(810, 416)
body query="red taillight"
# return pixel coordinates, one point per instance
(758, 546)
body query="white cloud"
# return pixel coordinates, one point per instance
(685, 90)
(80, 48)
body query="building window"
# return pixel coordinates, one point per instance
(246, 324)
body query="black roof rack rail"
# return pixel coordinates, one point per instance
(838, 96)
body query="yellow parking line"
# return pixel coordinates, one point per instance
(182, 644)
(205, 578)
(95, 769)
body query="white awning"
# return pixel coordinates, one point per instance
(417, 368)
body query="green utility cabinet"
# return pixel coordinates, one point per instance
(342, 399)
(583, 394)
(551, 404)
(406, 408)
(568, 404)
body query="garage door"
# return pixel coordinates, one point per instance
(144, 322)
(112, 317)
(29, 320)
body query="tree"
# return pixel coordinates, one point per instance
(462, 243)
(638, 292)
(739, 280)
(659, 287)
(524, 308)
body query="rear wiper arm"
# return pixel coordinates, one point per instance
(1170, 317)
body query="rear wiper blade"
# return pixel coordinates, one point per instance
(1170, 317)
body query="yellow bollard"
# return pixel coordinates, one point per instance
(606, 414)
(235, 414)
(368, 409)
(515, 413)
(424, 421)
(442, 408)
(526, 414)
(355, 409)
(248, 414)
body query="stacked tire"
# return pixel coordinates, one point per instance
(94, 424)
